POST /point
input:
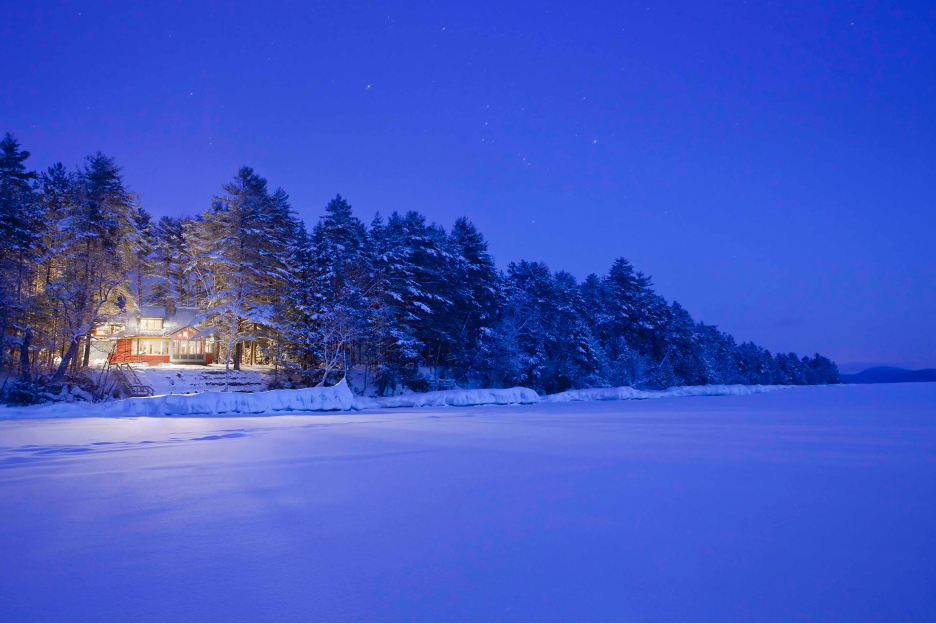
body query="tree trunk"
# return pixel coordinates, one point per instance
(87, 350)
(237, 355)
(24, 356)
(2, 340)
(66, 360)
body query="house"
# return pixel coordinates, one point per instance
(159, 334)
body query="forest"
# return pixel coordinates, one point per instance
(404, 301)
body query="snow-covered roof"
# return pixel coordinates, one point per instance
(172, 321)
(149, 311)
(182, 317)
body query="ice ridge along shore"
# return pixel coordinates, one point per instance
(340, 398)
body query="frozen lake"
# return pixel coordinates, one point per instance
(811, 503)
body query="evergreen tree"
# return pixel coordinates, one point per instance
(248, 234)
(142, 268)
(404, 300)
(476, 299)
(96, 241)
(342, 281)
(169, 260)
(20, 238)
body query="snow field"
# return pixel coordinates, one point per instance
(781, 506)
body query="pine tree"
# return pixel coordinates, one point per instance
(302, 303)
(169, 261)
(398, 298)
(142, 267)
(343, 283)
(476, 300)
(96, 241)
(682, 359)
(248, 234)
(20, 237)
(397, 304)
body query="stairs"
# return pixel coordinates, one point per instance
(116, 375)
(129, 380)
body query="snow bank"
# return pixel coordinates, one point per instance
(340, 398)
(525, 396)
(319, 399)
(626, 392)
(456, 398)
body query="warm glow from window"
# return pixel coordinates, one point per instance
(154, 347)
(151, 324)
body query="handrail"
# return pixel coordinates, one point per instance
(125, 375)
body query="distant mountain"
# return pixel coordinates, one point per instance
(889, 374)
(926, 374)
(851, 368)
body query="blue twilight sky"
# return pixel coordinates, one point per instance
(771, 164)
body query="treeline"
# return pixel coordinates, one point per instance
(402, 300)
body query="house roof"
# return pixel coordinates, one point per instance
(179, 319)
(183, 317)
(149, 311)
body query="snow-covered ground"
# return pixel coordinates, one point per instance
(182, 379)
(317, 399)
(810, 503)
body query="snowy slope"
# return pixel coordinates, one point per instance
(807, 504)
(181, 379)
(333, 398)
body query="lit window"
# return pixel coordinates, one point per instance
(151, 324)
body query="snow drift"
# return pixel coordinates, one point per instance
(455, 398)
(626, 392)
(319, 399)
(340, 398)
(526, 396)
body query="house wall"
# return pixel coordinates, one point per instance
(123, 353)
